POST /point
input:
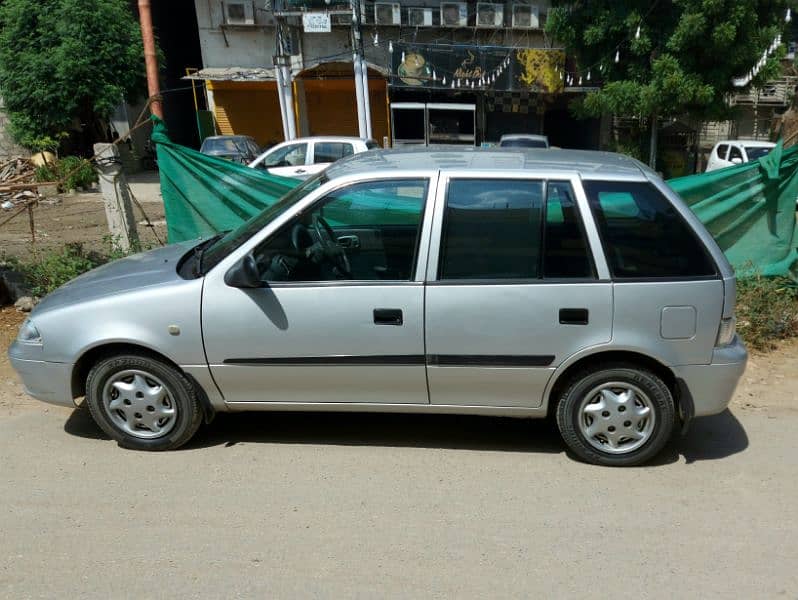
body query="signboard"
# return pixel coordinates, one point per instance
(316, 22)
(462, 67)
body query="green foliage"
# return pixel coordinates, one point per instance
(49, 271)
(684, 60)
(75, 172)
(56, 268)
(46, 143)
(62, 60)
(767, 310)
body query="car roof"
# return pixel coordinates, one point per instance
(228, 137)
(328, 138)
(589, 163)
(523, 136)
(749, 143)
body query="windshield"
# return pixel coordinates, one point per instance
(223, 145)
(755, 152)
(524, 143)
(214, 254)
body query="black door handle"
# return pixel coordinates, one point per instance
(388, 316)
(573, 316)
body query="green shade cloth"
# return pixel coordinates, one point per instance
(749, 208)
(203, 195)
(750, 211)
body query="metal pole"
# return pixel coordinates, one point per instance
(288, 90)
(150, 58)
(361, 115)
(278, 71)
(366, 96)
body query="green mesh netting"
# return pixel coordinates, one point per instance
(749, 208)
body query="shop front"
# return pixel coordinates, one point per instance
(472, 95)
(325, 97)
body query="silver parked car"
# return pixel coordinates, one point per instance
(515, 282)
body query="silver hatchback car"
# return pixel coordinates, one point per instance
(517, 283)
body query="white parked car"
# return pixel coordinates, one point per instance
(523, 140)
(736, 152)
(303, 157)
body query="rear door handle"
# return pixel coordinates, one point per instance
(573, 316)
(388, 316)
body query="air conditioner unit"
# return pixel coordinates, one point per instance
(526, 16)
(387, 13)
(238, 13)
(342, 20)
(419, 17)
(454, 14)
(490, 14)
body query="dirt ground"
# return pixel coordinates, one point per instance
(81, 218)
(297, 505)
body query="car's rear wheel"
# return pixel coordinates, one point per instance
(616, 415)
(143, 403)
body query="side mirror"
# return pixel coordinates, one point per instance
(244, 274)
(737, 160)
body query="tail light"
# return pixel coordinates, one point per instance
(726, 331)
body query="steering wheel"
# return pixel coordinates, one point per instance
(332, 249)
(325, 247)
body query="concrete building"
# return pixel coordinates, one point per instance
(435, 72)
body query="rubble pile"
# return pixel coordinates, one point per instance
(15, 174)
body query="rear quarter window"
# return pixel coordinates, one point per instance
(643, 235)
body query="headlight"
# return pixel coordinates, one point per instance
(28, 334)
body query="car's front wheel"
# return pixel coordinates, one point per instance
(616, 415)
(143, 403)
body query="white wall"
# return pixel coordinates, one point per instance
(246, 46)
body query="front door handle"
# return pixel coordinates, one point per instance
(349, 241)
(299, 171)
(388, 316)
(573, 316)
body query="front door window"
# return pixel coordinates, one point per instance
(363, 232)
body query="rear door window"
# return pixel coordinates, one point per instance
(643, 235)
(328, 152)
(735, 152)
(492, 229)
(566, 253)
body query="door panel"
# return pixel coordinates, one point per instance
(316, 344)
(323, 328)
(492, 329)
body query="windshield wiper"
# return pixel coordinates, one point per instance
(199, 250)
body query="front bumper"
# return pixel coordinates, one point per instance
(45, 381)
(711, 387)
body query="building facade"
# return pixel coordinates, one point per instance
(401, 72)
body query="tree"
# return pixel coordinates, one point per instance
(674, 57)
(66, 64)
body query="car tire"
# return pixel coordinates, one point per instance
(142, 402)
(616, 415)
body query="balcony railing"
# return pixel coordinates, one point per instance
(775, 92)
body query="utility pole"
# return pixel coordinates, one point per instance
(285, 89)
(361, 73)
(150, 58)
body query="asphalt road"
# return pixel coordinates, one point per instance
(383, 506)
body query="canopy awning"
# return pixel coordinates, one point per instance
(234, 74)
